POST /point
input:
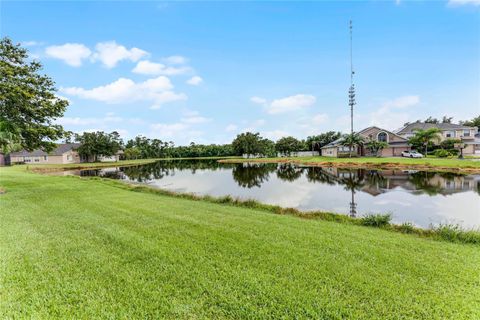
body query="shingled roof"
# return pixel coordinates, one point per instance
(411, 127)
(58, 151)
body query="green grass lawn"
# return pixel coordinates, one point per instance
(429, 162)
(83, 249)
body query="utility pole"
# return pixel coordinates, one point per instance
(351, 91)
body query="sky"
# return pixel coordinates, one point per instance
(206, 71)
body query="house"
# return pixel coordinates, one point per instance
(468, 135)
(64, 153)
(396, 144)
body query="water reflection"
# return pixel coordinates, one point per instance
(353, 191)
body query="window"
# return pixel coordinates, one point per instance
(466, 133)
(382, 136)
(450, 134)
(69, 157)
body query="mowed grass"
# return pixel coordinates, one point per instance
(432, 162)
(83, 249)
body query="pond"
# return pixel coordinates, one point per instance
(422, 198)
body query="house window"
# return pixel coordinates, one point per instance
(382, 136)
(466, 133)
(69, 157)
(450, 134)
(45, 158)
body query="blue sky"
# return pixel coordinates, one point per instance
(205, 71)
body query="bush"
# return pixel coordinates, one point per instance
(406, 227)
(441, 153)
(454, 233)
(376, 220)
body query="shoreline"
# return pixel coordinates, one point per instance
(361, 165)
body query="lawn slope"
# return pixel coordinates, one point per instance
(81, 248)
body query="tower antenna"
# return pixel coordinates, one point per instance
(351, 91)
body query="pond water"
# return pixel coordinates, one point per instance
(422, 198)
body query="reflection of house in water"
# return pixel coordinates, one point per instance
(376, 182)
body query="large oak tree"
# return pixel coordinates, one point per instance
(28, 104)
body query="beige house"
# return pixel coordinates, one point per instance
(396, 144)
(64, 153)
(468, 135)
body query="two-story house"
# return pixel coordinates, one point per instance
(468, 135)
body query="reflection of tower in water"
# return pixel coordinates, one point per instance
(353, 205)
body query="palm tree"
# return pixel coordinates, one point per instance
(424, 137)
(376, 146)
(352, 140)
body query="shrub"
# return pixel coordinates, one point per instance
(376, 220)
(406, 227)
(454, 233)
(441, 153)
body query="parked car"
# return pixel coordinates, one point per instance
(412, 154)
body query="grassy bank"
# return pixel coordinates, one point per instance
(85, 248)
(466, 165)
(86, 165)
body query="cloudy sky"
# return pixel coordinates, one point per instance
(204, 72)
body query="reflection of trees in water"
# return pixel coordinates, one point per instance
(319, 174)
(111, 174)
(160, 169)
(252, 175)
(289, 172)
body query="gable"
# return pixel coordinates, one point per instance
(372, 132)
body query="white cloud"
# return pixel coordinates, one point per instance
(156, 90)
(455, 3)
(275, 134)
(195, 81)
(286, 104)
(175, 60)
(179, 132)
(290, 103)
(72, 54)
(231, 127)
(402, 102)
(31, 43)
(195, 120)
(154, 68)
(110, 53)
(77, 121)
(319, 118)
(392, 115)
(258, 100)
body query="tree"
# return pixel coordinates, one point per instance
(9, 138)
(375, 146)
(251, 144)
(425, 137)
(94, 144)
(315, 143)
(352, 140)
(132, 153)
(287, 145)
(446, 119)
(475, 122)
(432, 120)
(27, 100)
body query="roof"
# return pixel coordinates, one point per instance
(390, 132)
(58, 151)
(409, 128)
(333, 143)
(397, 143)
